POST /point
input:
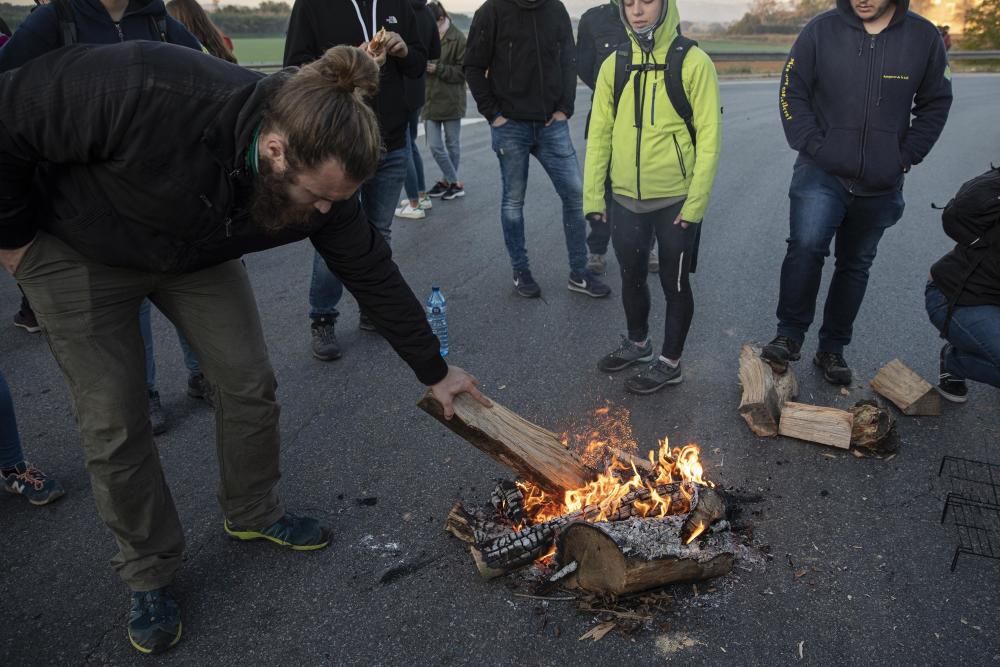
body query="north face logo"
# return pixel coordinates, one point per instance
(391, 20)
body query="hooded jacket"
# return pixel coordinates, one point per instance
(520, 60)
(446, 84)
(657, 159)
(317, 25)
(597, 37)
(147, 147)
(846, 97)
(415, 90)
(40, 32)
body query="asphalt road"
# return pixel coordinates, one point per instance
(877, 587)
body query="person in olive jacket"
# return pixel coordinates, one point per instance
(445, 105)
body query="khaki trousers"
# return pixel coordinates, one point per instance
(89, 313)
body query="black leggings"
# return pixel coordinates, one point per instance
(631, 235)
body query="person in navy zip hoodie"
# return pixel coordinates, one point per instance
(854, 78)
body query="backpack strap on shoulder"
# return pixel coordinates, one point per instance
(623, 58)
(675, 84)
(67, 23)
(160, 26)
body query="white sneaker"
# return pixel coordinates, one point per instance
(410, 213)
(426, 204)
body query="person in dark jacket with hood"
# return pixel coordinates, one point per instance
(854, 77)
(314, 27)
(526, 47)
(251, 163)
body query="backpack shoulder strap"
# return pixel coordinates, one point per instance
(675, 85)
(67, 23)
(160, 25)
(623, 58)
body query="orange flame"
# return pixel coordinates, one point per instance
(698, 530)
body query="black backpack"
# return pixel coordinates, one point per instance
(67, 23)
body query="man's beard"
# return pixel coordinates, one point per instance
(271, 207)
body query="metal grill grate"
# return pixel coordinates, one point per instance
(972, 506)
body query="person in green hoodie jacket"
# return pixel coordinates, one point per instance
(660, 185)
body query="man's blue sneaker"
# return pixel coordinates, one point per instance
(154, 621)
(526, 285)
(26, 480)
(585, 282)
(299, 533)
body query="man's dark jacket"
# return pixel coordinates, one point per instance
(40, 32)
(415, 90)
(520, 60)
(846, 96)
(600, 32)
(147, 145)
(317, 25)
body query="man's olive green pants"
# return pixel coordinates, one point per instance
(89, 312)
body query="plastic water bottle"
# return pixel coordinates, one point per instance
(437, 316)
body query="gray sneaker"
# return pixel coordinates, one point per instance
(157, 415)
(596, 264)
(654, 377)
(627, 354)
(324, 341)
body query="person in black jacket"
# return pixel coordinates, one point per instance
(527, 48)
(316, 25)
(252, 162)
(853, 78)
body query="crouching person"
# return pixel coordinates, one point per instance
(963, 295)
(252, 163)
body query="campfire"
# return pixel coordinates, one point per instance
(586, 508)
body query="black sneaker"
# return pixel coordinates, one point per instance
(25, 319)
(455, 190)
(198, 387)
(439, 189)
(324, 339)
(628, 354)
(157, 415)
(585, 282)
(779, 352)
(26, 480)
(154, 621)
(364, 323)
(950, 386)
(835, 369)
(526, 285)
(299, 533)
(654, 377)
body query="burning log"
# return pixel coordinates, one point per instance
(638, 554)
(911, 393)
(534, 453)
(508, 501)
(827, 426)
(473, 527)
(764, 392)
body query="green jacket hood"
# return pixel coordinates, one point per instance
(659, 40)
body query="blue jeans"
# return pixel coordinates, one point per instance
(514, 142)
(414, 181)
(10, 440)
(446, 149)
(146, 328)
(379, 197)
(974, 332)
(821, 211)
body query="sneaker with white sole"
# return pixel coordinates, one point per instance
(951, 387)
(26, 480)
(425, 203)
(654, 377)
(410, 213)
(439, 189)
(525, 285)
(585, 282)
(628, 354)
(455, 190)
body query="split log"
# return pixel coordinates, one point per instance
(872, 425)
(532, 452)
(639, 554)
(827, 426)
(911, 393)
(764, 391)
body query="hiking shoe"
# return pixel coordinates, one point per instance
(25, 319)
(324, 339)
(585, 282)
(198, 387)
(299, 533)
(157, 415)
(526, 285)
(596, 264)
(779, 352)
(154, 621)
(455, 190)
(26, 480)
(410, 213)
(950, 386)
(654, 261)
(628, 354)
(439, 189)
(835, 369)
(364, 323)
(654, 377)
